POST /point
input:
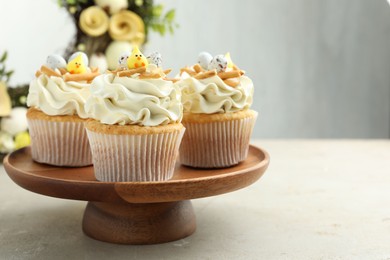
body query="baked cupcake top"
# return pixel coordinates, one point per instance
(61, 88)
(215, 85)
(137, 93)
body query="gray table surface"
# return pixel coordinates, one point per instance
(319, 199)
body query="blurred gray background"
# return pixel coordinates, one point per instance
(321, 68)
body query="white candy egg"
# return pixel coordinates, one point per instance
(114, 50)
(55, 61)
(83, 55)
(218, 63)
(204, 59)
(122, 61)
(98, 60)
(155, 58)
(113, 6)
(16, 122)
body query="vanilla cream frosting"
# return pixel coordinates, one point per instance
(129, 100)
(212, 95)
(53, 96)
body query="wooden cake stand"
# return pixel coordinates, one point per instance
(135, 212)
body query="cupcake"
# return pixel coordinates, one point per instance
(136, 128)
(216, 97)
(56, 113)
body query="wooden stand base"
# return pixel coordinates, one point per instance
(131, 223)
(135, 212)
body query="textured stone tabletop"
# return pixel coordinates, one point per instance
(319, 199)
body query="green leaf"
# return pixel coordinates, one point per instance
(157, 10)
(161, 29)
(9, 73)
(171, 30)
(154, 27)
(170, 15)
(71, 2)
(4, 56)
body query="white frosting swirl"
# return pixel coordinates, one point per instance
(53, 96)
(212, 95)
(124, 100)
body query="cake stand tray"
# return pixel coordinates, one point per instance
(135, 212)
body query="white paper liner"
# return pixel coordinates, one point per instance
(59, 143)
(134, 158)
(216, 144)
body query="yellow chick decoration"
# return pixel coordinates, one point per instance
(76, 66)
(230, 63)
(136, 59)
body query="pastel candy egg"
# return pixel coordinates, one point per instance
(55, 61)
(83, 56)
(114, 50)
(155, 58)
(218, 63)
(204, 59)
(122, 61)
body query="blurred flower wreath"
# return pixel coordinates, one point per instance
(104, 28)
(107, 28)
(13, 123)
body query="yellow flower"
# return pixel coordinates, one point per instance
(22, 139)
(5, 101)
(127, 26)
(93, 21)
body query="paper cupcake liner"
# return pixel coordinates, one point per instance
(134, 158)
(59, 143)
(216, 144)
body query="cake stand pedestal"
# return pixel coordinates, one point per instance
(135, 212)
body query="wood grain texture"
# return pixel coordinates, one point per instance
(135, 212)
(125, 223)
(80, 183)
